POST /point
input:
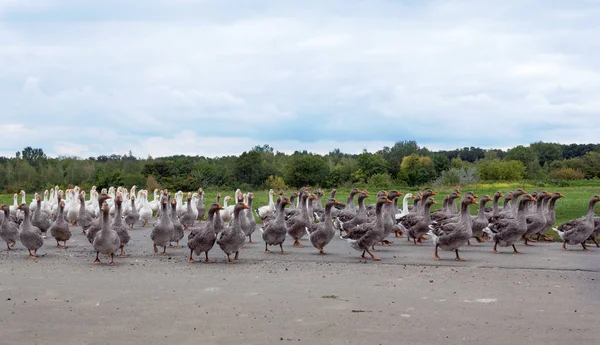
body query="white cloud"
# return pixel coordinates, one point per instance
(504, 73)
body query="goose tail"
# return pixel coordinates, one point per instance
(560, 233)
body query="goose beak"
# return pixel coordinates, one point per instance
(473, 201)
(245, 206)
(433, 193)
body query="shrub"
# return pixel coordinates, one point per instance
(151, 184)
(276, 183)
(457, 176)
(497, 170)
(380, 181)
(567, 174)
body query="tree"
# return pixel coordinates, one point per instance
(33, 156)
(547, 152)
(416, 170)
(441, 162)
(591, 162)
(304, 169)
(528, 157)
(497, 170)
(250, 169)
(369, 165)
(394, 155)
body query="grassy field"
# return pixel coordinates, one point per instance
(572, 206)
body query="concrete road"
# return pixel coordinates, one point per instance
(543, 296)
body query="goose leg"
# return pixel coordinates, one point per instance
(479, 239)
(386, 243)
(585, 249)
(122, 255)
(31, 256)
(8, 247)
(471, 244)
(97, 261)
(495, 248)
(164, 253)
(229, 259)
(515, 250)
(281, 246)
(155, 249)
(526, 240)
(373, 248)
(191, 259)
(267, 248)
(594, 240)
(373, 256)
(65, 246)
(250, 239)
(458, 258)
(236, 255)
(435, 255)
(298, 244)
(13, 244)
(112, 259)
(565, 245)
(363, 254)
(322, 251)
(207, 261)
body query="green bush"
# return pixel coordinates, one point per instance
(380, 181)
(567, 174)
(497, 170)
(276, 183)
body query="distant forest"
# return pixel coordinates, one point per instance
(405, 163)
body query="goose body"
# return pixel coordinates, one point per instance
(30, 236)
(60, 228)
(163, 231)
(232, 238)
(106, 240)
(202, 238)
(577, 231)
(9, 232)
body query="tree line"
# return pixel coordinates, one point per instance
(404, 163)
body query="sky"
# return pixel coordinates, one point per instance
(217, 77)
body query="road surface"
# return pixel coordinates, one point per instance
(544, 296)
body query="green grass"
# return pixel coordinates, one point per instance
(574, 204)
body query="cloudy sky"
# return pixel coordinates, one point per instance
(216, 77)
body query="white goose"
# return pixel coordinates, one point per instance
(155, 203)
(46, 205)
(179, 209)
(73, 206)
(90, 205)
(226, 212)
(20, 214)
(13, 207)
(145, 211)
(91, 202)
(263, 211)
(404, 210)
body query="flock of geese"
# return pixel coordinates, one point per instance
(107, 217)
